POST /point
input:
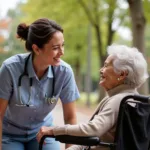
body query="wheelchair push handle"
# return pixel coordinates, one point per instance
(142, 98)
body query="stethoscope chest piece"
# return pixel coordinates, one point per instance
(52, 100)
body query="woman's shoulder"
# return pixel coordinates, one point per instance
(64, 64)
(15, 59)
(64, 67)
(116, 99)
(120, 96)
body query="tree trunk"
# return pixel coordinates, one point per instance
(138, 30)
(101, 57)
(88, 73)
(77, 75)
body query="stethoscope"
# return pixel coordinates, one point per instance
(49, 100)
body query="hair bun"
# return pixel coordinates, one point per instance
(22, 31)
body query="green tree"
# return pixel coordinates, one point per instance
(138, 22)
(102, 15)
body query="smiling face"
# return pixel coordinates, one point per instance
(52, 51)
(109, 79)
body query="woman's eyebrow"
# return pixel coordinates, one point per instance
(57, 44)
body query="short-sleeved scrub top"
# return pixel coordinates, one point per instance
(28, 120)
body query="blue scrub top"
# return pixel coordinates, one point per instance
(28, 120)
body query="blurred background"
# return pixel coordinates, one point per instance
(89, 27)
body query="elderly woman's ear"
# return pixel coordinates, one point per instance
(123, 75)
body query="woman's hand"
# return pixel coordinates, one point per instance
(44, 131)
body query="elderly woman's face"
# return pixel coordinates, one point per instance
(109, 79)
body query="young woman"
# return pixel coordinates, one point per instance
(31, 85)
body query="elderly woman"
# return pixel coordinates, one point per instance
(124, 70)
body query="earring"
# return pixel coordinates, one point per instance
(118, 79)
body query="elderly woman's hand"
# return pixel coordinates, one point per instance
(44, 131)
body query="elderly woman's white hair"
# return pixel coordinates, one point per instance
(129, 60)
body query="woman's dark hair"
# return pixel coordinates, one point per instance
(39, 32)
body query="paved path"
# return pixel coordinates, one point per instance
(58, 118)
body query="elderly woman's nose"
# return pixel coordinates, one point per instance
(101, 69)
(100, 72)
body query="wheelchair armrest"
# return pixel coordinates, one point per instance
(77, 140)
(87, 141)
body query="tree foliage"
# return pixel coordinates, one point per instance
(105, 16)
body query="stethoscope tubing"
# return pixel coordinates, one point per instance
(25, 73)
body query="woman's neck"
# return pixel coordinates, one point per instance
(39, 68)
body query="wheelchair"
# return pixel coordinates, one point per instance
(132, 129)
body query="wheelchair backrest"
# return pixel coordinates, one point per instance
(133, 126)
